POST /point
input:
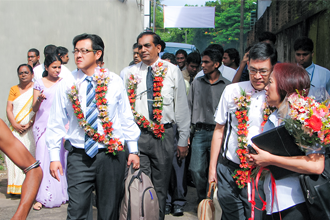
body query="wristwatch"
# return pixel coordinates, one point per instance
(136, 153)
(31, 121)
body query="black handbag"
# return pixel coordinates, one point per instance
(316, 189)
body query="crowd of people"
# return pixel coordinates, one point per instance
(174, 117)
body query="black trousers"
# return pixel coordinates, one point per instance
(156, 161)
(297, 212)
(234, 201)
(104, 173)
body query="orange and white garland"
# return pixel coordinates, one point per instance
(242, 108)
(101, 77)
(155, 127)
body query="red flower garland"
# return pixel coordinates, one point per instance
(155, 127)
(102, 79)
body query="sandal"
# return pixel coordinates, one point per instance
(37, 206)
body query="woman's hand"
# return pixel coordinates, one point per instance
(18, 127)
(262, 158)
(41, 96)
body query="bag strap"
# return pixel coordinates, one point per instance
(137, 176)
(212, 187)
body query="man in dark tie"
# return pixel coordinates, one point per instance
(100, 123)
(158, 99)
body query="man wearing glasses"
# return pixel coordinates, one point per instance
(88, 165)
(233, 200)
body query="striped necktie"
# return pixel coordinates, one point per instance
(150, 91)
(91, 147)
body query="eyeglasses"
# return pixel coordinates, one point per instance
(261, 72)
(24, 72)
(83, 51)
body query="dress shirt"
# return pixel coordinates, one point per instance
(255, 114)
(175, 104)
(226, 72)
(38, 70)
(319, 76)
(61, 112)
(203, 99)
(124, 72)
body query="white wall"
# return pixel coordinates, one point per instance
(26, 24)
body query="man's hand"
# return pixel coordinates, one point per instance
(182, 152)
(135, 159)
(54, 167)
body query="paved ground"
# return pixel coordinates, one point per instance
(8, 205)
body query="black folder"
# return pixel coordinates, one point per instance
(279, 142)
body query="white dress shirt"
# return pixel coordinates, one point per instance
(61, 112)
(38, 70)
(175, 104)
(255, 114)
(225, 71)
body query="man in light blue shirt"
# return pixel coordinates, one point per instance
(319, 76)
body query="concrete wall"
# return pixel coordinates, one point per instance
(26, 24)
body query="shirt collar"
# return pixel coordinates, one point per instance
(220, 79)
(310, 68)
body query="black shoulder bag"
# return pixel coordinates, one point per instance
(316, 189)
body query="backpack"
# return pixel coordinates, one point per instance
(140, 201)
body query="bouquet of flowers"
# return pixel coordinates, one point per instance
(308, 122)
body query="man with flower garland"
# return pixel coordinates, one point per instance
(158, 98)
(94, 102)
(241, 111)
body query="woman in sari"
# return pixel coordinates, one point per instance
(21, 118)
(52, 193)
(289, 203)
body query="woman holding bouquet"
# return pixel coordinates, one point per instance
(289, 201)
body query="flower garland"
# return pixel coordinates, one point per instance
(102, 79)
(155, 127)
(242, 108)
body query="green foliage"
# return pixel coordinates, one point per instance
(227, 21)
(227, 25)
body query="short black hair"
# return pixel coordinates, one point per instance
(24, 64)
(303, 43)
(215, 55)
(263, 51)
(135, 45)
(61, 51)
(169, 56)
(34, 50)
(194, 57)
(233, 54)
(181, 51)
(267, 36)
(156, 38)
(217, 47)
(49, 49)
(97, 42)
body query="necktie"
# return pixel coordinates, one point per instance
(91, 147)
(150, 88)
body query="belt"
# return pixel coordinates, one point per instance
(207, 127)
(82, 150)
(227, 162)
(146, 131)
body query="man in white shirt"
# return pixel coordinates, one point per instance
(319, 76)
(234, 200)
(88, 165)
(153, 90)
(38, 70)
(225, 71)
